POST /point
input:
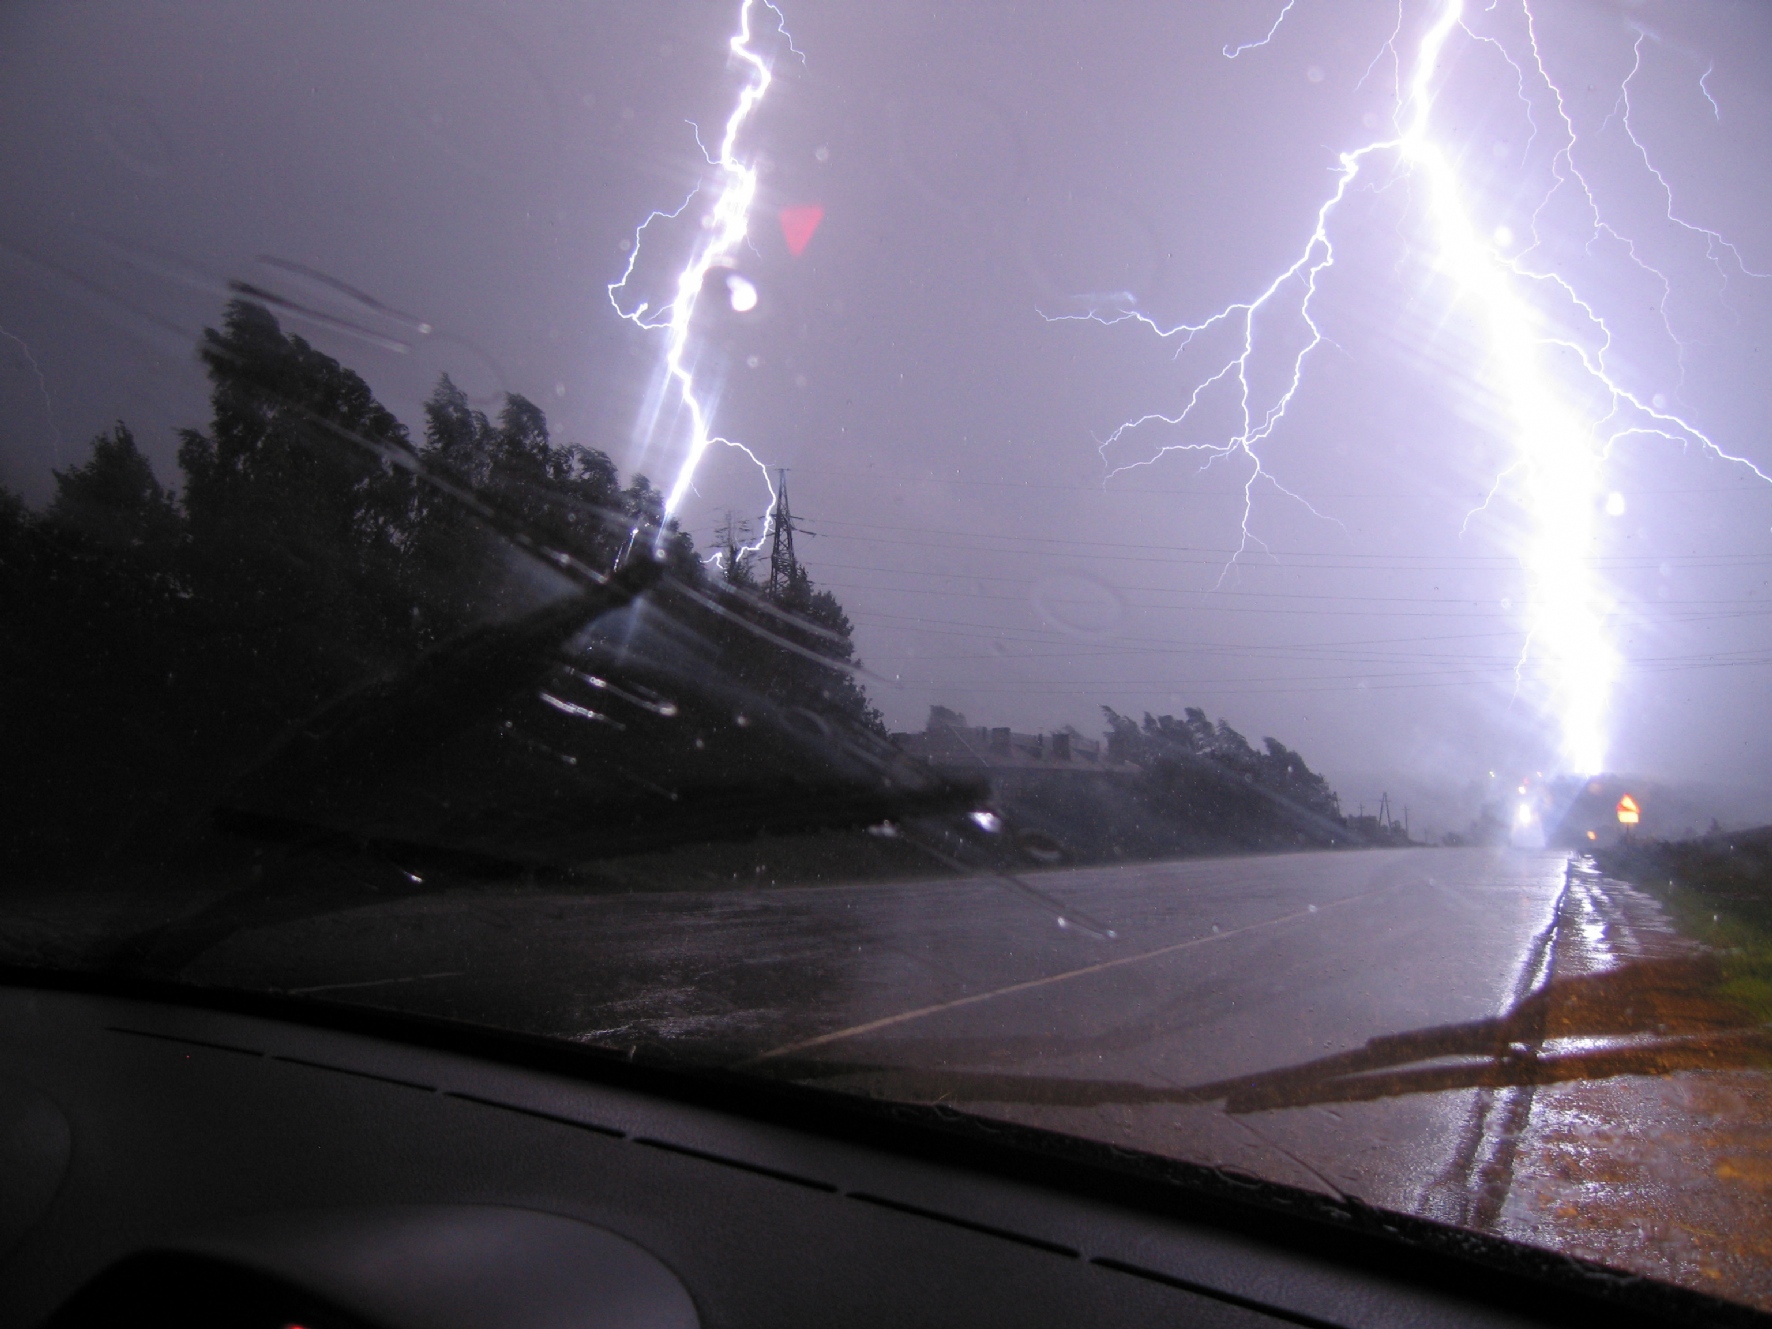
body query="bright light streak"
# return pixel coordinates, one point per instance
(1714, 241)
(1546, 377)
(725, 227)
(1704, 87)
(1232, 52)
(43, 390)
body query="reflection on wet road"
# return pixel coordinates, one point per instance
(1220, 968)
(1493, 1038)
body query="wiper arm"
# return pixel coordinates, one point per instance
(375, 730)
(1662, 1007)
(517, 746)
(549, 742)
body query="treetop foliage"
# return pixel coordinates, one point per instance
(159, 638)
(1168, 746)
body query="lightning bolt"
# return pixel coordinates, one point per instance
(725, 227)
(1232, 52)
(1548, 350)
(43, 390)
(1713, 240)
(1704, 87)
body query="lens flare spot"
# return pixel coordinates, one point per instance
(742, 292)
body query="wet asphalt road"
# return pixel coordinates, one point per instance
(952, 990)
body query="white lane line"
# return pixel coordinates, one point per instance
(904, 1017)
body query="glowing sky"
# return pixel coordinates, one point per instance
(982, 170)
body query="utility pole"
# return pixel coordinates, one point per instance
(784, 566)
(732, 536)
(1384, 811)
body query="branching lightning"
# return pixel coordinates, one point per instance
(1232, 52)
(1547, 348)
(1713, 240)
(42, 389)
(1704, 87)
(725, 228)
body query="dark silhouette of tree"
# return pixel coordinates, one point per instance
(570, 496)
(96, 646)
(157, 642)
(815, 623)
(1285, 772)
(642, 509)
(115, 498)
(1199, 763)
(296, 516)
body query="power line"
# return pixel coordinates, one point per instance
(1461, 600)
(1130, 491)
(1451, 613)
(1216, 557)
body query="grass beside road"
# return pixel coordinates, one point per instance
(1718, 890)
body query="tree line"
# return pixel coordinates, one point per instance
(159, 637)
(1172, 750)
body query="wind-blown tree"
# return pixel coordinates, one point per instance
(96, 645)
(818, 631)
(115, 499)
(157, 642)
(568, 495)
(789, 641)
(563, 494)
(1171, 750)
(296, 511)
(642, 509)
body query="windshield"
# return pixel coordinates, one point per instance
(1194, 577)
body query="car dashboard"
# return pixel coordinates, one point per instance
(210, 1160)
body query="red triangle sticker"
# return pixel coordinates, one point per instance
(798, 224)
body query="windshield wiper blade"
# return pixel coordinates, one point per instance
(537, 744)
(377, 729)
(1656, 1016)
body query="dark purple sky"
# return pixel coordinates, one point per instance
(479, 166)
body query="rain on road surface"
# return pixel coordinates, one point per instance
(1218, 968)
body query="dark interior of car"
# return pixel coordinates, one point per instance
(228, 1161)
